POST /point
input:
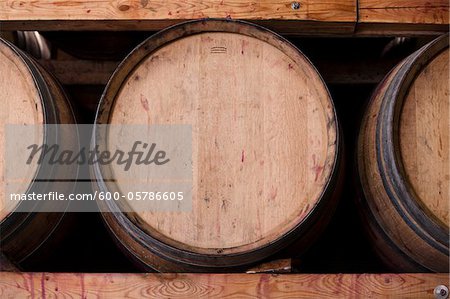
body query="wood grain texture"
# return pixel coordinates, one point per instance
(425, 136)
(404, 11)
(256, 177)
(165, 13)
(312, 18)
(404, 212)
(51, 285)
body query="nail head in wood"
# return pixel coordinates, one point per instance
(295, 5)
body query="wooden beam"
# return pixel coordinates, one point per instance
(51, 285)
(155, 15)
(405, 17)
(404, 11)
(313, 17)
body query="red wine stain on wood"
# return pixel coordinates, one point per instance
(273, 193)
(25, 283)
(144, 102)
(244, 45)
(262, 287)
(206, 39)
(316, 168)
(43, 285)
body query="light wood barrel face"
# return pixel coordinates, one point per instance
(264, 137)
(20, 104)
(424, 137)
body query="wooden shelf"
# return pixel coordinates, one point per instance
(34, 285)
(313, 17)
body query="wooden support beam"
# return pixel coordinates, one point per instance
(404, 11)
(312, 16)
(51, 285)
(405, 17)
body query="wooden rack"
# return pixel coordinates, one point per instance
(37, 285)
(309, 17)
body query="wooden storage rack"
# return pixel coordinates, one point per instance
(302, 17)
(312, 17)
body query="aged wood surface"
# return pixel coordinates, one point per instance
(404, 11)
(311, 18)
(155, 15)
(51, 285)
(253, 182)
(404, 17)
(425, 137)
(404, 172)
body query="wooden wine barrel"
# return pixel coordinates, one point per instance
(403, 162)
(29, 96)
(265, 145)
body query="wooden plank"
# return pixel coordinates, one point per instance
(404, 11)
(155, 15)
(281, 26)
(37, 285)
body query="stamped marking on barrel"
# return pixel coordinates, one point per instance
(218, 50)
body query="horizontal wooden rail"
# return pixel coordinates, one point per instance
(302, 17)
(323, 16)
(402, 16)
(50, 285)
